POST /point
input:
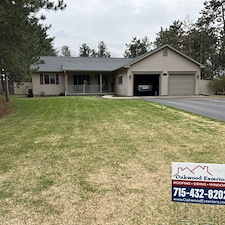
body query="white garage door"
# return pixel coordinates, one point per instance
(181, 84)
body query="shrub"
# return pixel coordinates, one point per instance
(217, 85)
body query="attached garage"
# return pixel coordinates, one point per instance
(167, 70)
(181, 84)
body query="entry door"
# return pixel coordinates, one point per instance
(105, 83)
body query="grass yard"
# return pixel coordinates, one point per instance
(88, 161)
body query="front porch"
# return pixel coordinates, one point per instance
(87, 90)
(88, 83)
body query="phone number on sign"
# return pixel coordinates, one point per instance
(198, 193)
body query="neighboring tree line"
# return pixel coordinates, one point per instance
(204, 40)
(86, 51)
(136, 48)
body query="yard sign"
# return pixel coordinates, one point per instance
(198, 183)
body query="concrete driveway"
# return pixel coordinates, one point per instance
(206, 106)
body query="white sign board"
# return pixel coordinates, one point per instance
(202, 183)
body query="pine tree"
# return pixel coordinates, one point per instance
(85, 51)
(102, 50)
(65, 51)
(213, 20)
(22, 37)
(172, 36)
(137, 47)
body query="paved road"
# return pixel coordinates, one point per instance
(206, 106)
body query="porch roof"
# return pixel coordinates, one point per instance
(60, 64)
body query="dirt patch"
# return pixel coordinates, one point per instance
(5, 108)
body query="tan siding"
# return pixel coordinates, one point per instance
(165, 64)
(48, 89)
(121, 89)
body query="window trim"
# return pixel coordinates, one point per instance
(50, 78)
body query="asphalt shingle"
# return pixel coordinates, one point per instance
(57, 64)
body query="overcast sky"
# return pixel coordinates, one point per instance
(115, 22)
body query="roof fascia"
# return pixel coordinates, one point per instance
(42, 71)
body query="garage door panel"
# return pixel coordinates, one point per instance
(180, 84)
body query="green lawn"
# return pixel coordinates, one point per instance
(87, 160)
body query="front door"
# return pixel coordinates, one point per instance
(105, 83)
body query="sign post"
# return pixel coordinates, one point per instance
(201, 183)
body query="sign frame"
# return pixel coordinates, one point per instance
(202, 183)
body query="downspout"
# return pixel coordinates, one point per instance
(100, 79)
(66, 83)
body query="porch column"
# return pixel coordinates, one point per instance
(100, 76)
(66, 83)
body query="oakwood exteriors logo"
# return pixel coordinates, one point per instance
(195, 171)
(199, 172)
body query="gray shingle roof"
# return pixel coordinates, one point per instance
(57, 64)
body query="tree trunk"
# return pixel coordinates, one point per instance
(6, 88)
(2, 88)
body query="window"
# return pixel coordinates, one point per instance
(120, 80)
(49, 79)
(81, 79)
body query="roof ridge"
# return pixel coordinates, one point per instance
(89, 57)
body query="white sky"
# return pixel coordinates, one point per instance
(115, 22)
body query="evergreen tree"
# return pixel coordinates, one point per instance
(85, 51)
(22, 37)
(65, 51)
(213, 20)
(93, 53)
(172, 36)
(102, 50)
(137, 47)
(195, 40)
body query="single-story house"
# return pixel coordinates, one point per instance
(167, 70)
